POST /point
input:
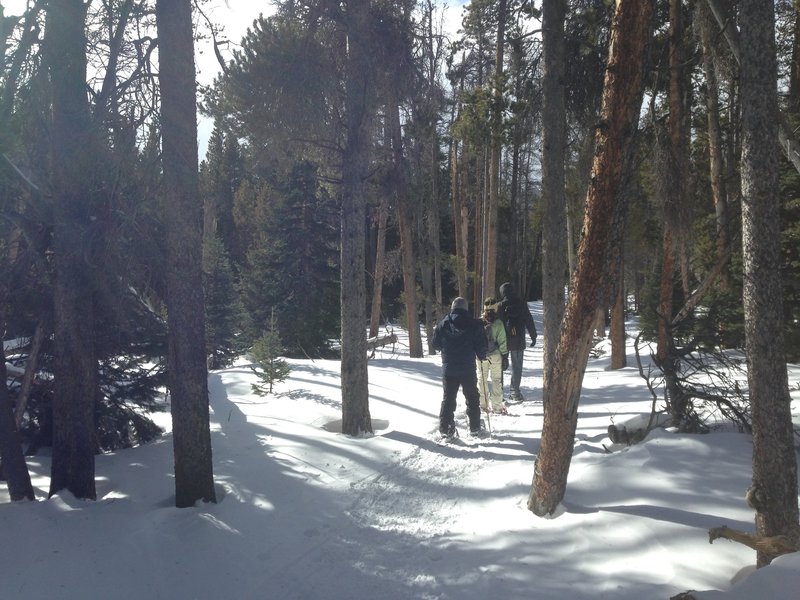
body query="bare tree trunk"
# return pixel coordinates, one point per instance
(600, 319)
(186, 362)
(619, 358)
(42, 330)
(665, 290)
(794, 70)
(434, 225)
(715, 156)
(12, 460)
(774, 489)
(380, 267)
(600, 245)
(431, 246)
(455, 191)
(409, 265)
(479, 260)
(75, 370)
(679, 141)
(494, 158)
(356, 419)
(675, 197)
(554, 199)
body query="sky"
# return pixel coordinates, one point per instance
(305, 512)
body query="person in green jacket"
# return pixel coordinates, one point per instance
(496, 360)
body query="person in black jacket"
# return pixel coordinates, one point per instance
(517, 318)
(461, 340)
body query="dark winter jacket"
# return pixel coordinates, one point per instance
(461, 339)
(514, 313)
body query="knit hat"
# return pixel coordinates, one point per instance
(490, 302)
(459, 303)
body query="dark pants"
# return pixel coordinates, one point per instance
(517, 357)
(469, 385)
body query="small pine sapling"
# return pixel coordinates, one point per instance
(270, 367)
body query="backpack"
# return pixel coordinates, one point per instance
(491, 343)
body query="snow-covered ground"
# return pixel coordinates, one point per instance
(304, 512)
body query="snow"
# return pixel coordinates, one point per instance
(304, 512)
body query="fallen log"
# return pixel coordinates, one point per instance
(379, 341)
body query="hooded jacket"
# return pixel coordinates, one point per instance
(514, 313)
(461, 340)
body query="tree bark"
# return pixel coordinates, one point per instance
(793, 100)
(774, 461)
(380, 267)
(619, 357)
(675, 197)
(42, 331)
(715, 155)
(73, 155)
(600, 245)
(455, 187)
(12, 459)
(554, 200)
(495, 152)
(406, 231)
(355, 385)
(187, 368)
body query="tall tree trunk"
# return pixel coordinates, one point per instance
(356, 419)
(554, 200)
(187, 369)
(455, 192)
(674, 200)
(431, 263)
(73, 155)
(494, 158)
(409, 265)
(42, 330)
(619, 358)
(600, 245)
(12, 459)
(774, 486)
(380, 267)
(479, 192)
(715, 155)
(794, 69)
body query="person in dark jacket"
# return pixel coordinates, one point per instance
(461, 340)
(514, 313)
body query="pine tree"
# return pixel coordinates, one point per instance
(266, 353)
(292, 266)
(220, 177)
(223, 306)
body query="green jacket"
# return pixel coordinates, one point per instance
(496, 337)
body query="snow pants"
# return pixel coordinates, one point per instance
(469, 385)
(492, 368)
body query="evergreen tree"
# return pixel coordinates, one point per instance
(223, 306)
(293, 266)
(266, 353)
(220, 177)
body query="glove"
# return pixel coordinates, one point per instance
(533, 342)
(505, 361)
